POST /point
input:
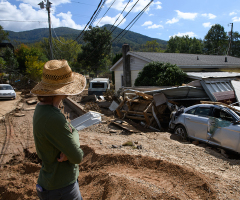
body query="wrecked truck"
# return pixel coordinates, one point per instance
(215, 124)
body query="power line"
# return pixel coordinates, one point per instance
(117, 25)
(82, 3)
(138, 16)
(106, 12)
(98, 12)
(20, 21)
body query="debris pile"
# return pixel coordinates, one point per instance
(152, 110)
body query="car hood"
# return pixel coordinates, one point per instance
(7, 91)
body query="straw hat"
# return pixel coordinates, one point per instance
(58, 79)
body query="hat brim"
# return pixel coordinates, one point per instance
(73, 88)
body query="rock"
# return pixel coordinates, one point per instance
(139, 146)
(100, 141)
(31, 102)
(112, 131)
(114, 146)
(195, 142)
(19, 115)
(30, 108)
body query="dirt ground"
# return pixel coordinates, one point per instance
(158, 166)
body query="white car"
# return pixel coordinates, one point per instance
(7, 92)
(215, 124)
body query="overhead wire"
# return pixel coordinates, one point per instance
(98, 12)
(140, 14)
(125, 28)
(106, 12)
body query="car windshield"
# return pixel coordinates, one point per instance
(6, 87)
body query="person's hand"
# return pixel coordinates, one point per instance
(62, 158)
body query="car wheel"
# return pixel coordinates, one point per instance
(181, 131)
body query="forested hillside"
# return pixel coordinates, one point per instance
(135, 40)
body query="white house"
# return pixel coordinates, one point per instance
(187, 62)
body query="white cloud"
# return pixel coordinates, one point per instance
(158, 4)
(183, 15)
(147, 23)
(232, 13)
(155, 26)
(207, 25)
(209, 15)
(120, 4)
(151, 15)
(190, 34)
(110, 20)
(25, 12)
(172, 21)
(236, 19)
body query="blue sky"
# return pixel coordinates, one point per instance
(162, 19)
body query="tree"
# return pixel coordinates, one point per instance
(160, 74)
(236, 44)
(216, 40)
(3, 34)
(95, 52)
(34, 68)
(11, 63)
(25, 51)
(184, 44)
(67, 49)
(151, 46)
(2, 68)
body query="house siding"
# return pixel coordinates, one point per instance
(118, 81)
(137, 64)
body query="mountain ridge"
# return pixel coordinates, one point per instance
(135, 40)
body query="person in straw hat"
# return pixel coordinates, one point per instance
(56, 140)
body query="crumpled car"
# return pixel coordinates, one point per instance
(7, 92)
(214, 124)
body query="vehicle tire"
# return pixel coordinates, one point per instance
(181, 131)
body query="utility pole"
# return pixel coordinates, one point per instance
(48, 6)
(231, 39)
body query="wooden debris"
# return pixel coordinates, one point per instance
(31, 102)
(125, 125)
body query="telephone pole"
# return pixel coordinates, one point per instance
(48, 6)
(231, 38)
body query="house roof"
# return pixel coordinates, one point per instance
(187, 60)
(205, 75)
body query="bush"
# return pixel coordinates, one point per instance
(160, 74)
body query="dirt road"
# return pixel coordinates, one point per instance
(162, 167)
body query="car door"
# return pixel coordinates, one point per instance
(227, 134)
(197, 123)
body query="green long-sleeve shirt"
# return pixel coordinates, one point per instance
(53, 135)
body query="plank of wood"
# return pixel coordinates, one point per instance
(125, 126)
(145, 96)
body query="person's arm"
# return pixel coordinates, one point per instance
(62, 137)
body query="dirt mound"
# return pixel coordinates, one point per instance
(137, 177)
(113, 176)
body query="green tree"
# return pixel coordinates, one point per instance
(34, 68)
(235, 45)
(67, 49)
(24, 51)
(3, 34)
(184, 44)
(95, 52)
(216, 40)
(160, 74)
(11, 63)
(151, 46)
(2, 68)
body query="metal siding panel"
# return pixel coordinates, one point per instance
(236, 87)
(207, 90)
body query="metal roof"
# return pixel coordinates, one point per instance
(203, 75)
